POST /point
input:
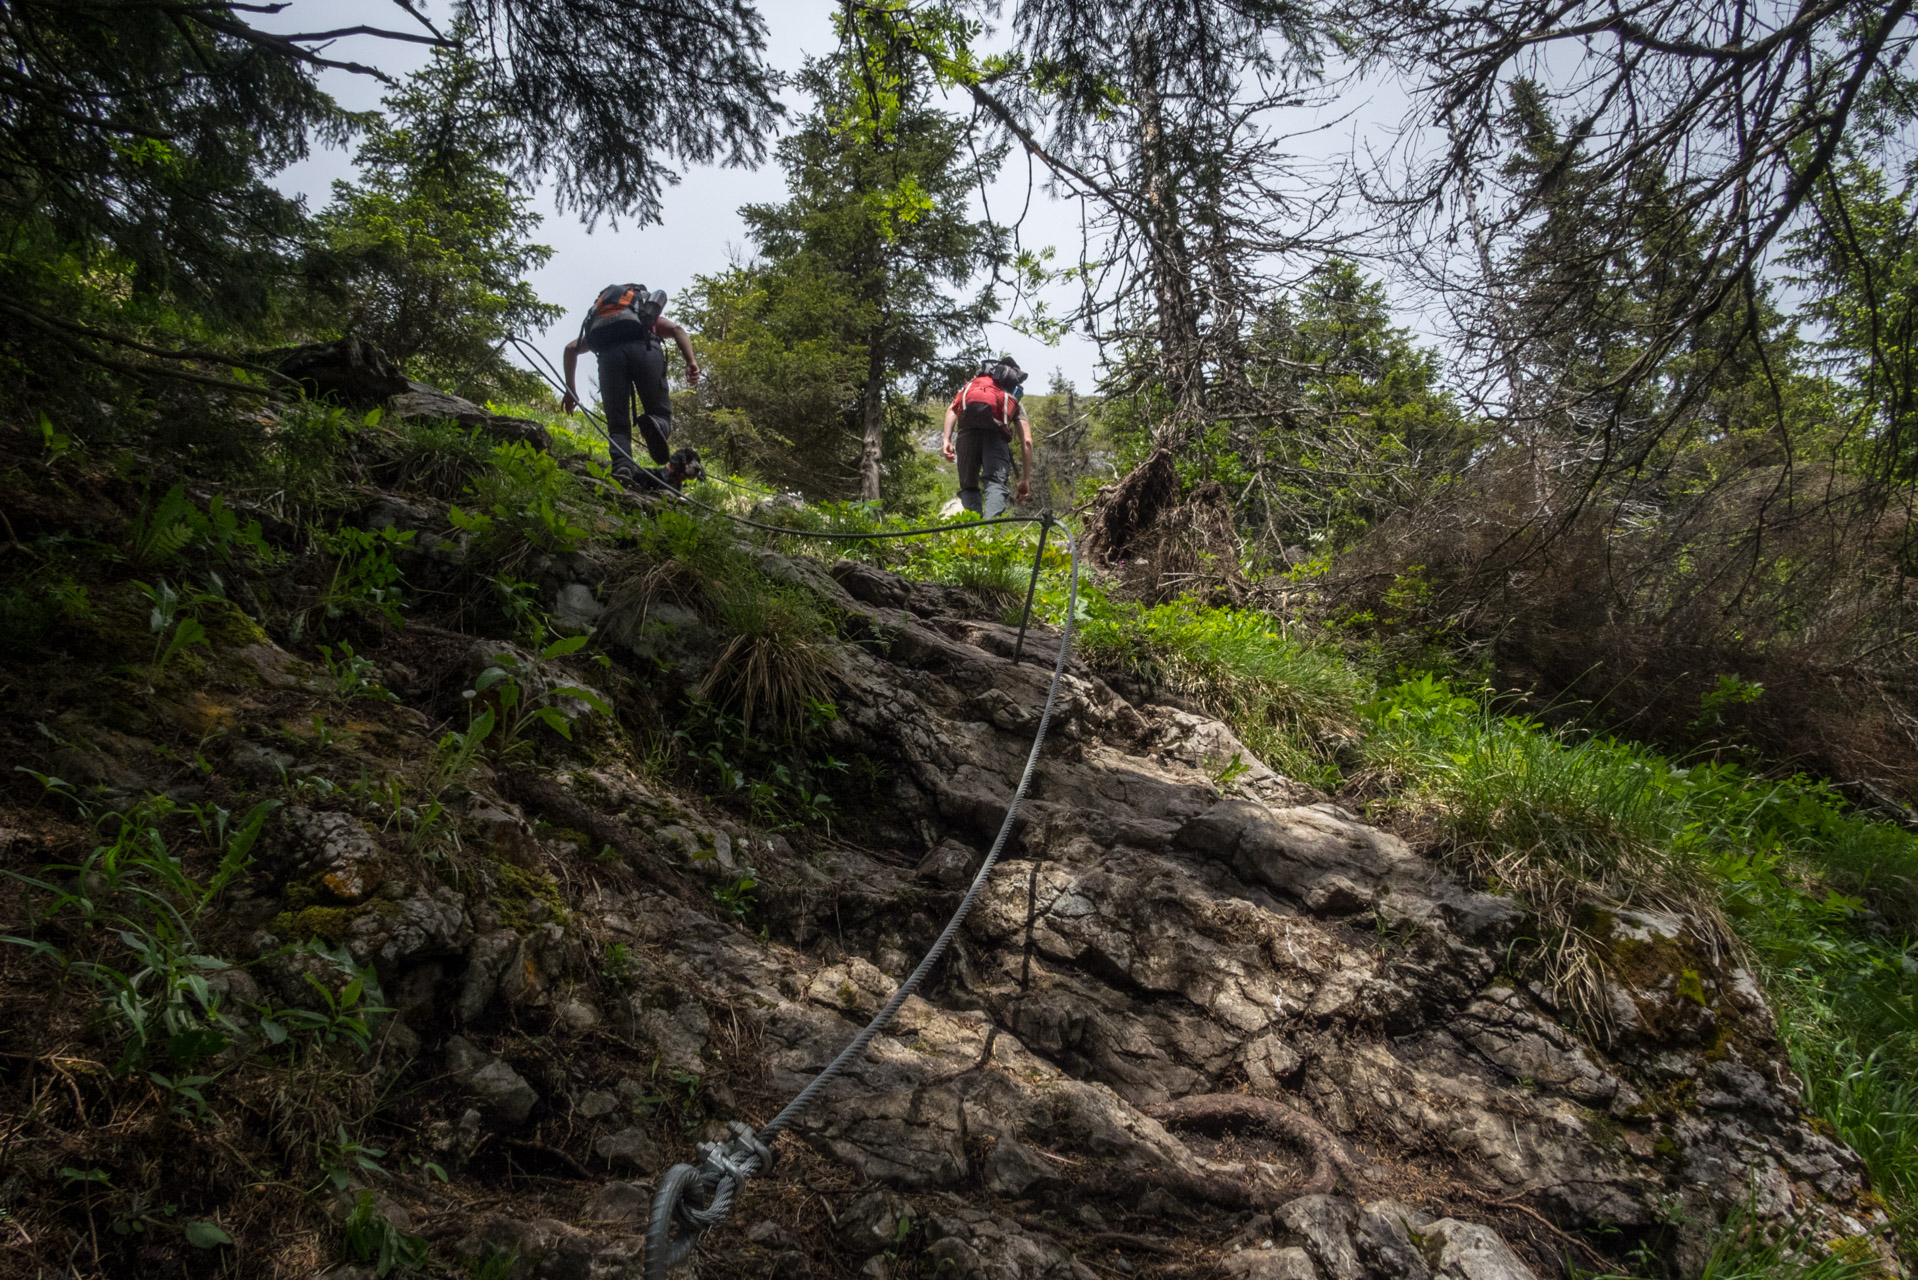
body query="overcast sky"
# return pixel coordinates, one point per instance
(701, 231)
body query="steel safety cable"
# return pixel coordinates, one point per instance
(677, 1222)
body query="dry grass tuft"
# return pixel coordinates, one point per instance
(778, 661)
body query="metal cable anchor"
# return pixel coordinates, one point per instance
(677, 1220)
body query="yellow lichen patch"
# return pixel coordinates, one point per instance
(200, 715)
(328, 923)
(349, 884)
(520, 887)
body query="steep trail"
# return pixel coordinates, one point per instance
(1191, 1028)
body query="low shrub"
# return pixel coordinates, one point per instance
(523, 504)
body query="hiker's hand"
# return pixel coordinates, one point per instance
(568, 403)
(1025, 490)
(947, 449)
(692, 375)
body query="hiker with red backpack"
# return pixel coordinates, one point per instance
(623, 329)
(979, 425)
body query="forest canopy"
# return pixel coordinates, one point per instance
(1661, 396)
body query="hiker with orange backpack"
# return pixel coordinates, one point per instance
(623, 330)
(978, 435)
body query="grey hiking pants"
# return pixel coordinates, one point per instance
(985, 458)
(629, 369)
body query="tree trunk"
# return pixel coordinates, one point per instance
(872, 413)
(1180, 354)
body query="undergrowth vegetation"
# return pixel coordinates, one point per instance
(1820, 896)
(1292, 702)
(137, 579)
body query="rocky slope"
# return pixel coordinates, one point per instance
(1190, 1030)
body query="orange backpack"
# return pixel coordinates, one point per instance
(622, 313)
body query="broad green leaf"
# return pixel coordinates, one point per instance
(586, 696)
(556, 722)
(206, 1235)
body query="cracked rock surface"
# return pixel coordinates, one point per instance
(1186, 1031)
(1147, 938)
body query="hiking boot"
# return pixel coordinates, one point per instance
(653, 431)
(685, 466)
(625, 473)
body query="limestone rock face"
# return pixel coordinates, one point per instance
(417, 400)
(1148, 938)
(492, 1080)
(338, 848)
(1386, 1095)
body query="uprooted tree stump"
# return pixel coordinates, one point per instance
(1165, 547)
(357, 374)
(1130, 507)
(361, 376)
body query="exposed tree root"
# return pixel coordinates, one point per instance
(13, 542)
(1234, 1187)
(1331, 1158)
(547, 796)
(554, 1153)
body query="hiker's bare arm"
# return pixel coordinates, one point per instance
(945, 444)
(679, 336)
(570, 401)
(1025, 455)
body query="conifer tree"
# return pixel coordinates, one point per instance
(863, 268)
(136, 139)
(428, 252)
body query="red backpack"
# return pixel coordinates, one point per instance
(985, 405)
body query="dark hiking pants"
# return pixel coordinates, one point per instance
(985, 458)
(635, 369)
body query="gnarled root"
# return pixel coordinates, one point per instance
(1331, 1158)
(546, 796)
(1231, 1186)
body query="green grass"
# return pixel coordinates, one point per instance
(777, 660)
(993, 563)
(1818, 894)
(435, 459)
(1740, 1251)
(1292, 702)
